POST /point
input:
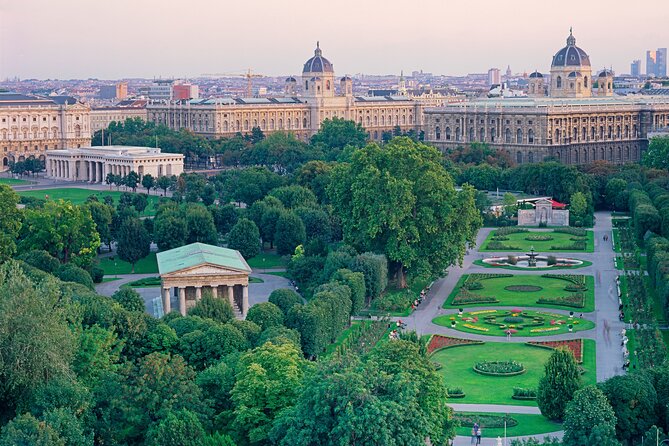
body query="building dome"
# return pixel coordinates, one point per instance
(291, 79)
(318, 63)
(536, 75)
(345, 78)
(606, 73)
(575, 74)
(571, 55)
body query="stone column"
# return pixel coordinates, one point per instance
(167, 305)
(90, 172)
(101, 172)
(198, 293)
(231, 295)
(214, 291)
(245, 300)
(182, 300)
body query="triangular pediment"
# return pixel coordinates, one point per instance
(207, 269)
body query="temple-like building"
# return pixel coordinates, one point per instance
(568, 116)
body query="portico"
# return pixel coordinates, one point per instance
(191, 271)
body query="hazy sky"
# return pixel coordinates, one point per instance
(126, 38)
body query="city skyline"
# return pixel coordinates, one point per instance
(147, 39)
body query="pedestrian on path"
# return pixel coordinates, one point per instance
(473, 436)
(478, 436)
(607, 332)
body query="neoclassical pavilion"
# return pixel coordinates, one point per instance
(197, 268)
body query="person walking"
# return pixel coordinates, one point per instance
(473, 442)
(478, 436)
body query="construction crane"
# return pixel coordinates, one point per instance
(249, 75)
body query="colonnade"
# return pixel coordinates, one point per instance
(84, 170)
(238, 303)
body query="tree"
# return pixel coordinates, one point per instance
(657, 154)
(268, 381)
(633, 399)
(589, 419)
(294, 196)
(101, 214)
(98, 353)
(266, 315)
(356, 283)
(165, 183)
(170, 230)
(616, 194)
(217, 309)
(129, 299)
(578, 207)
(140, 202)
(245, 238)
(337, 133)
(290, 232)
(41, 259)
(401, 201)
(556, 388)
(285, 299)
(10, 222)
(36, 342)
(131, 180)
(64, 230)
(200, 225)
(27, 430)
(178, 428)
(148, 182)
(133, 242)
(225, 217)
(72, 273)
(68, 427)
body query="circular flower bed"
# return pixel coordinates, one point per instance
(538, 238)
(499, 368)
(523, 288)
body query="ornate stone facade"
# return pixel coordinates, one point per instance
(92, 164)
(543, 214)
(305, 106)
(570, 126)
(30, 126)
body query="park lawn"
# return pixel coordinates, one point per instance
(550, 288)
(78, 196)
(283, 274)
(518, 268)
(268, 259)
(527, 425)
(655, 297)
(113, 265)
(493, 330)
(13, 181)
(619, 263)
(457, 370)
(342, 337)
(631, 347)
(617, 247)
(518, 241)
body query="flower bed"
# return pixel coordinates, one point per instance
(466, 297)
(456, 392)
(573, 300)
(509, 230)
(475, 327)
(576, 246)
(485, 420)
(524, 394)
(576, 279)
(580, 232)
(574, 345)
(438, 342)
(499, 368)
(544, 329)
(483, 312)
(523, 288)
(538, 238)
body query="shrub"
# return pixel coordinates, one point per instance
(499, 368)
(520, 393)
(285, 299)
(576, 246)
(474, 285)
(488, 421)
(129, 299)
(499, 238)
(97, 274)
(393, 301)
(509, 230)
(455, 392)
(213, 308)
(499, 246)
(556, 388)
(514, 320)
(580, 232)
(464, 297)
(538, 238)
(72, 273)
(573, 300)
(266, 315)
(375, 269)
(41, 259)
(551, 260)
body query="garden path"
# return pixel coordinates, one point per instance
(466, 441)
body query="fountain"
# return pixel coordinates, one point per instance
(532, 261)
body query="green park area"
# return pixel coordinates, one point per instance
(456, 366)
(79, 196)
(492, 424)
(522, 240)
(583, 264)
(13, 181)
(562, 291)
(518, 322)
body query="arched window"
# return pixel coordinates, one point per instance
(530, 157)
(593, 133)
(557, 136)
(601, 132)
(602, 154)
(627, 153)
(585, 134)
(404, 119)
(246, 124)
(558, 82)
(627, 132)
(280, 124)
(530, 136)
(437, 133)
(585, 156)
(610, 132)
(304, 123)
(458, 136)
(376, 134)
(77, 131)
(327, 85)
(263, 125)
(367, 121)
(618, 132)
(383, 120)
(574, 134)
(585, 82)
(519, 136)
(576, 160)
(482, 135)
(471, 134)
(448, 133)
(610, 154)
(493, 134)
(375, 121)
(225, 126)
(519, 157)
(507, 136)
(271, 124)
(620, 154)
(306, 85)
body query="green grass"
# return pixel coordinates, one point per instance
(619, 263)
(631, 347)
(147, 265)
(657, 301)
(278, 273)
(342, 337)
(518, 240)
(147, 282)
(517, 268)
(493, 330)
(457, 370)
(79, 196)
(256, 280)
(13, 181)
(109, 279)
(527, 425)
(550, 288)
(268, 259)
(617, 247)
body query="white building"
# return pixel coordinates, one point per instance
(92, 164)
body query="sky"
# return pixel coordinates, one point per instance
(113, 39)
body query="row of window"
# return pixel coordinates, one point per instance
(578, 156)
(519, 136)
(25, 119)
(603, 134)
